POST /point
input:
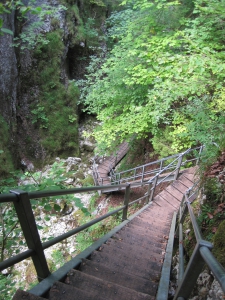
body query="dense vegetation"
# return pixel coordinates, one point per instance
(162, 80)
(164, 76)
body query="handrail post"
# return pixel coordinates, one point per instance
(126, 201)
(178, 167)
(153, 187)
(135, 171)
(161, 164)
(142, 177)
(192, 271)
(27, 221)
(148, 192)
(199, 154)
(181, 248)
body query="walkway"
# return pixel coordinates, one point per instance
(128, 265)
(101, 171)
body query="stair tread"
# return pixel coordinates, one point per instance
(107, 289)
(25, 295)
(164, 204)
(128, 269)
(174, 192)
(149, 229)
(169, 198)
(146, 226)
(188, 176)
(136, 252)
(180, 186)
(127, 280)
(155, 248)
(155, 214)
(62, 291)
(139, 267)
(141, 240)
(185, 181)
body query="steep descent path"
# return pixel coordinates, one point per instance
(128, 265)
(101, 171)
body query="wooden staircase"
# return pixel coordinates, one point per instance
(128, 266)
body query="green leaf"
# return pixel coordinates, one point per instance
(57, 207)
(48, 207)
(5, 30)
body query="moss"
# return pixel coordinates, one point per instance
(80, 174)
(219, 244)
(88, 181)
(58, 134)
(6, 160)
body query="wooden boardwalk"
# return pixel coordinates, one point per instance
(129, 264)
(109, 163)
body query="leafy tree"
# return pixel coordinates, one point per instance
(166, 66)
(11, 237)
(29, 32)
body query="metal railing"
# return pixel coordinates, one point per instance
(146, 171)
(21, 201)
(141, 175)
(201, 255)
(109, 170)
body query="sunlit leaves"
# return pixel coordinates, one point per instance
(163, 61)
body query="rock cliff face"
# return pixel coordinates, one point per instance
(38, 94)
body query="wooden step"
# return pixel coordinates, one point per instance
(106, 289)
(155, 214)
(128, 251)
(127, 280)
(138, 267)
(143, 243)
(174, 192)
(157, 248)
(25, 295)
(159, 224)
(137, 226)
(62, 291)
(187, 182)
(169, 199)
(165, 204)
(188, 176)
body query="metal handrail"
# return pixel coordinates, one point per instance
(99, 180)
(201, 255)
(21, 201)
(157, 170)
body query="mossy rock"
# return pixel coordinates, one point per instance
(88, 181)
(219, 244)
(80, 175)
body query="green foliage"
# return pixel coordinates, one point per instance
(11, 237)
(29, 35)
(6, 160)
(97, 2)
(219, 244)
(7, 287)
(56, 111)
(39, 115)
(165, 72)
(58, 260)
(88, 181)
(93, 233)
(3, 30)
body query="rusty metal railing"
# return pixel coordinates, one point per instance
(21, 202)
(201, 255)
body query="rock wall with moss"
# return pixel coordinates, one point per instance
(38, 89)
